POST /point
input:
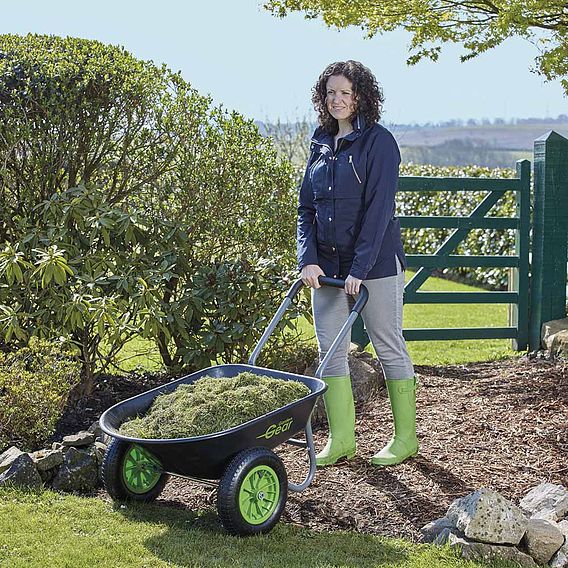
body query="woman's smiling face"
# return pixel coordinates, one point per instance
(340, 98)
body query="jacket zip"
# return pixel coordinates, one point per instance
(354, 170)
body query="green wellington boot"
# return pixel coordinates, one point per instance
(340, 410)
(402, 396)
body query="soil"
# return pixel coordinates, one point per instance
(501, 425)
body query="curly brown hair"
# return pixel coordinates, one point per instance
(368, 94)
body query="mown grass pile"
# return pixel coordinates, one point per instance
(211, 405)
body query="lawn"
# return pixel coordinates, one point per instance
(454, 352)
(39, 530)
(141, 353)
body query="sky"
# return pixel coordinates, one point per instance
(264, 67)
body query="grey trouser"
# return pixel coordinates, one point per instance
(383, 320)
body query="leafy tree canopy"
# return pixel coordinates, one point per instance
(477, 24)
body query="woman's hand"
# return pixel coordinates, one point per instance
(352, 285)
(309, 275)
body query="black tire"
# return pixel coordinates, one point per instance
(113, 474)
(268, 469)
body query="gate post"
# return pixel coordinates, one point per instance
(519, 277)
(550, 233)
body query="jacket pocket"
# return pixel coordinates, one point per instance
(348, 181)
(395, 227)
(345, 238)
(318, 174)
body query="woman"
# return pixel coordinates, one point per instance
(347, 230)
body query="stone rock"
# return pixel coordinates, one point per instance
(559, 346)
(57, 446)
(79, 471)
(95, 429)
(366, 374)
(78, 440)
(444, 536)
(47, 459)
(542, 540)
(105, 438)
(546, 501)
(7, 458)
(21, 473)
(487, 516)
(48, 476)
(554, 335)
(560, 559)
(100, 450)
(431, 531)
(489, 552)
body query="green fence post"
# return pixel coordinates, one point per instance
(519, 312)
(550, 233)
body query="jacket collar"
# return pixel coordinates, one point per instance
(358, 124)
(323, 137)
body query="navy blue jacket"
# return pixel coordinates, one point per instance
(346, 221)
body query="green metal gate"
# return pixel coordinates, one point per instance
(444, 257)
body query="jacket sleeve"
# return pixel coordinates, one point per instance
(306, 228)
(383, 161)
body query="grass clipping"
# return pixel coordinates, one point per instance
(211, 405)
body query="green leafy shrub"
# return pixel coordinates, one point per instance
(87, 270)
(231, 303)
(35, 382)
(123, 192)
(213, 404)
(291, 354)
(101, 284)
(231, 193)
(78, 111)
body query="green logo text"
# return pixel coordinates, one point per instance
(275, 429)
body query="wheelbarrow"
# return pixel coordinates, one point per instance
(251, 480)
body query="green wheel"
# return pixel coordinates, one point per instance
(131, 472)
(252, 492)
(141, 471)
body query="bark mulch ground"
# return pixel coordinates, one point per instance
(501, 425)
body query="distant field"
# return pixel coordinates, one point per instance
(493, 145)
(453, 154)
(509, 137)
(503, 136)
(488, 145)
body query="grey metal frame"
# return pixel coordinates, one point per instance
(308, 443)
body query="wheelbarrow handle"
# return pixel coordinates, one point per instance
(338, 283)
(290, 295)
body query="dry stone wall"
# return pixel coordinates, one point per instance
(485, 526)
(71, 465)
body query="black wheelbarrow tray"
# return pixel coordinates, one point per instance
(251, 480)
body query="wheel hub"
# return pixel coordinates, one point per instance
(141, 470)
(259, 494)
